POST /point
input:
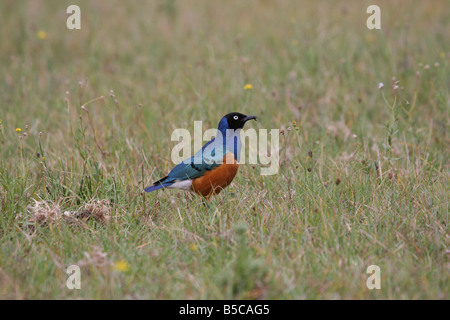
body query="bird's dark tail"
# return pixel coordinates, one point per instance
(153, 188)
(158, 185)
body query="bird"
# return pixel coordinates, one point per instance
(212, 168)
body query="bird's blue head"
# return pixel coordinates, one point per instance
(234, 121)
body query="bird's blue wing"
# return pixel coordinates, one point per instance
(208, 158)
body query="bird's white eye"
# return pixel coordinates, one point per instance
(235, 117)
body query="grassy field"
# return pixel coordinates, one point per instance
(364, 171)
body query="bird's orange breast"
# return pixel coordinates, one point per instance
(214, 181)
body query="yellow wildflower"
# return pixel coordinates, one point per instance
(18, 130)
(248, 86)
(42, 34)
(121, 266)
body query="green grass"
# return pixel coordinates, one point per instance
(375, 190)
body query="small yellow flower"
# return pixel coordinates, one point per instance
(193, 247)
(18, 130)
(42, 34)
(43, 158)
(121, 266)
(294, 122)
(248, 86)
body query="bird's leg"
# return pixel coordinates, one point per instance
(206, 204)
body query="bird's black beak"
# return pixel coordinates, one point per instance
(249, 118)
